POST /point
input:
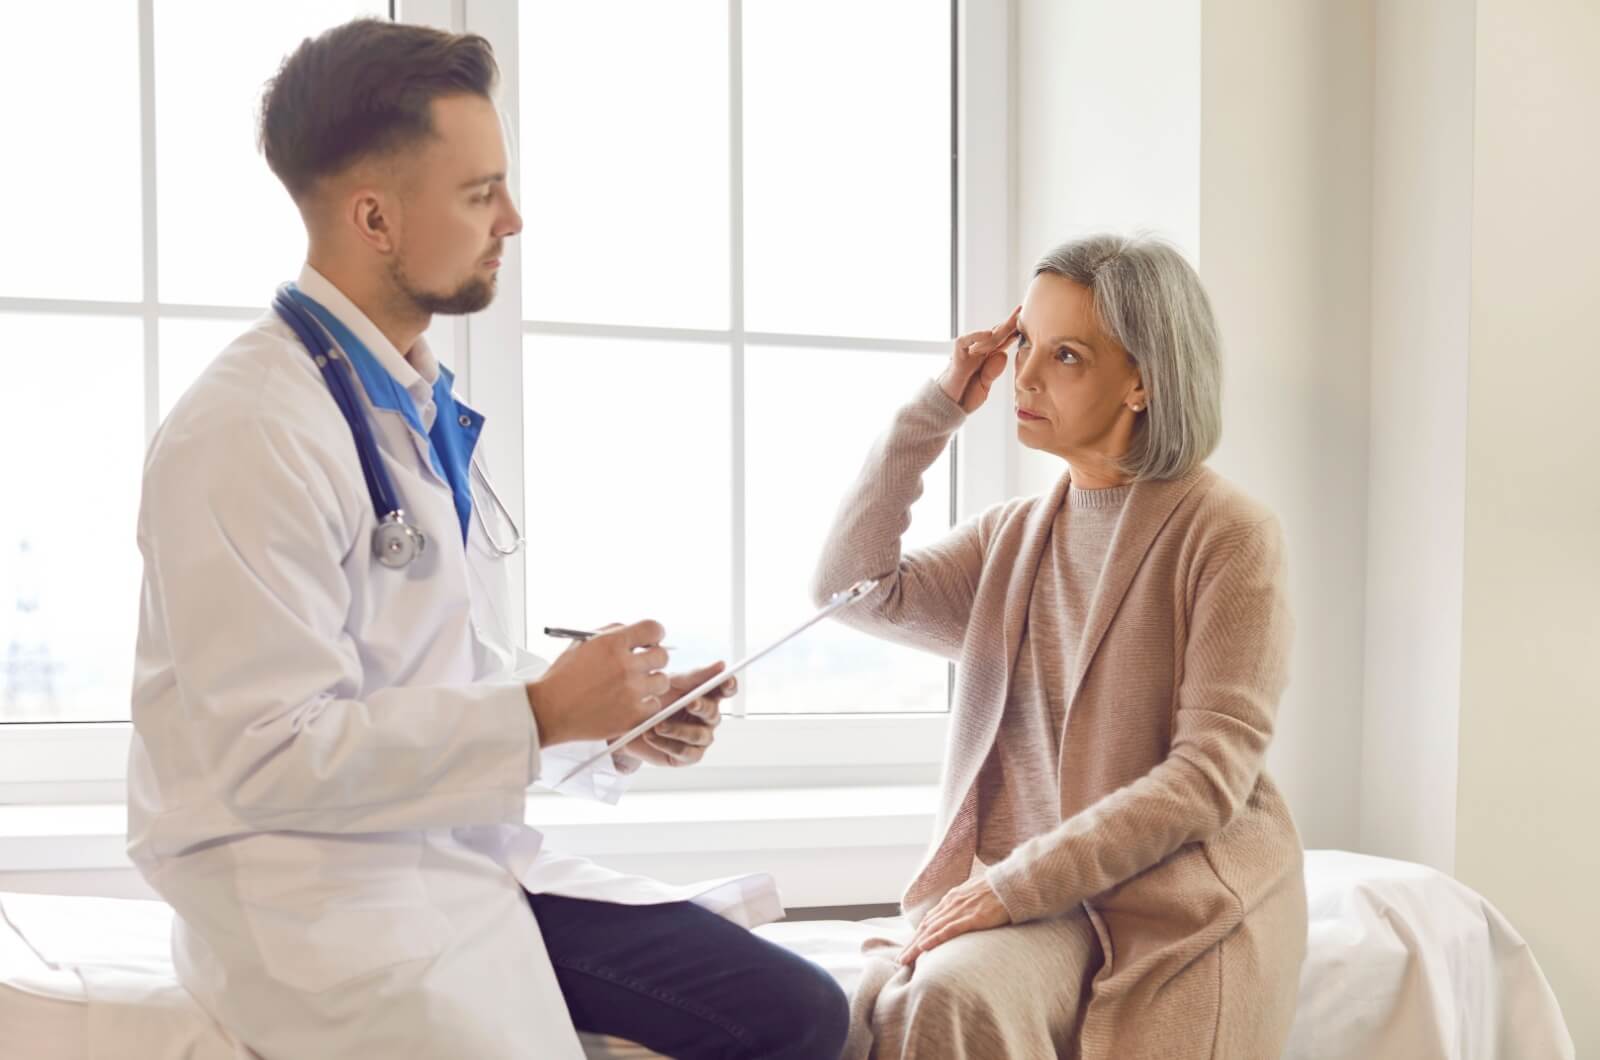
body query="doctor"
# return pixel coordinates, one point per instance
(331, 739)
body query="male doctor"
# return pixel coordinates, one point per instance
(330, 753)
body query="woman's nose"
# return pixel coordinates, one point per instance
(1027, 379)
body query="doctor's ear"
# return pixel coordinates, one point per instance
(368, 212)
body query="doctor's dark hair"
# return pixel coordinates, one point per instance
(361, 89)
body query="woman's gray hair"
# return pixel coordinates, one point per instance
(1148, 298)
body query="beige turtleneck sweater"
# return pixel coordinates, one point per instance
(1019, 789)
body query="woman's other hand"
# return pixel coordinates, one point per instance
(977, 361)
(971, 907)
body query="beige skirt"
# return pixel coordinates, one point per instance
(1016, 991)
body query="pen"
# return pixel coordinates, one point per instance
(584, 634)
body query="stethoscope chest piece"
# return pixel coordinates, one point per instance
(396, 542)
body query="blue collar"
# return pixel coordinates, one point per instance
(456, 427)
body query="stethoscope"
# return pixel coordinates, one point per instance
(396, 541)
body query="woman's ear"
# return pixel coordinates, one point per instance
(1137, 399)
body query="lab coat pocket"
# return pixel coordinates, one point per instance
(324, 910)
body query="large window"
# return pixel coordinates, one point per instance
(737, 262)
(141, 231)
(749, 238)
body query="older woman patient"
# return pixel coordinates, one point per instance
(1113, 872)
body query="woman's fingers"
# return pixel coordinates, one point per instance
(977, 361)
(1003, 332)
(973, 348)
(993, 366)
(977, 391)
(953, 929)
(936, 919)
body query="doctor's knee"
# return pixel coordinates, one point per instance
(811, 1015)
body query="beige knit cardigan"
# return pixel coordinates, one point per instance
(1173, 837)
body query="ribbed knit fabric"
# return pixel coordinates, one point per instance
(1171, 835)
(1018, 793)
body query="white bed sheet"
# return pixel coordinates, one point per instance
(1403, 962)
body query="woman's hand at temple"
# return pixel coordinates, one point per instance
(977, 361)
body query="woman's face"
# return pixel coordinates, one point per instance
(1076, 388)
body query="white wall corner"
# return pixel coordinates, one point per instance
(1421, 302)
(1285, 161)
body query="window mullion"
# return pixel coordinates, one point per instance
(149, 295)
(738, 551)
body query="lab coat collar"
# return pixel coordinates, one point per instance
(444, 431)
(416, 372)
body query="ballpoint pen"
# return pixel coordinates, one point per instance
(584, 634)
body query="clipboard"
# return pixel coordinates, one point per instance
(835, 602)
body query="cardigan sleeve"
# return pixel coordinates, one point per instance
(925, 596)
(1235, 668)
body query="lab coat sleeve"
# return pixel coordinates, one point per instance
(245, 539)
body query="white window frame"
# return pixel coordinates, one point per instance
(87, 761)
(820, 748)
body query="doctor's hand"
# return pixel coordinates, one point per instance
(684, 738)
(977, 361)
(604, 686)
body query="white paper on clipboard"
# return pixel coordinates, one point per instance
(835, 602)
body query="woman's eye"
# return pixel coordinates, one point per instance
(1066, 356)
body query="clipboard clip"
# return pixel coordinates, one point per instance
(854, 593)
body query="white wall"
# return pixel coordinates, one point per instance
(1284, 251)
(1482, 710)
(1421, 289)
(1530, 705)
(1095, 149)
(1242, 132)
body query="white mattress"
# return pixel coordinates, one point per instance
(1403, 962)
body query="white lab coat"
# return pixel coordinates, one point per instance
(330, 757)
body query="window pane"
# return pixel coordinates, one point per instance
(228, 232)
(71, 85)
(69, 566)
(627, 465)
(847, 168)
(187, 346)
(624, 161)
(807, 437)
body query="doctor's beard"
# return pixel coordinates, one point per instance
(474, 294)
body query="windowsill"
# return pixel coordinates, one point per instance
(826, 846)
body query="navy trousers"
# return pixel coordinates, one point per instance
(687, 983)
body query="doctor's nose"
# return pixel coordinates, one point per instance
(510, 221)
